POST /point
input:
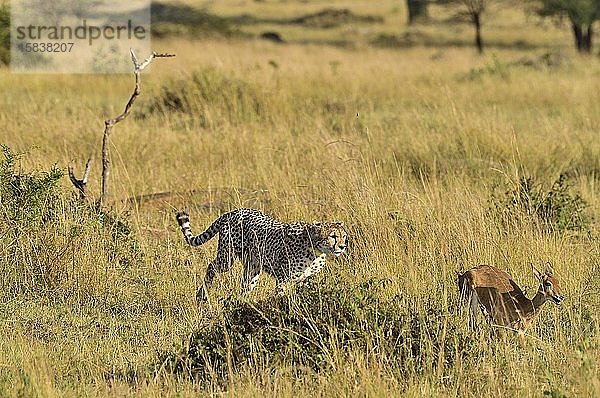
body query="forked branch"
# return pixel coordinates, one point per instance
(108, 125)
(81, 184)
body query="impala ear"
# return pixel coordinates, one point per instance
(536, 273)
(548, 270)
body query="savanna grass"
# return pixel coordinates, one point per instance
(394, 142)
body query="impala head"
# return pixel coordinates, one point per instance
(330, 237)
(549, 285)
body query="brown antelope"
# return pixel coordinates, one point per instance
(500, 298)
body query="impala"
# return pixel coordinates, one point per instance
(500, 298)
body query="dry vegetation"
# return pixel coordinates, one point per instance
(424, 152)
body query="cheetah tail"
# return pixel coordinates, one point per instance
(204, 236)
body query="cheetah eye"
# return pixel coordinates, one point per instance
(334, 236)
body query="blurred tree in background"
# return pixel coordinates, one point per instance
(4, 33)
(581, 14)
(417, 9)
(473, 10)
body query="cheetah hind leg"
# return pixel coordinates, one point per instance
(202, 292)
(222, 263)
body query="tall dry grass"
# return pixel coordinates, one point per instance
(406, 146)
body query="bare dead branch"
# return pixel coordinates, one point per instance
(109, 123)
(81, 184)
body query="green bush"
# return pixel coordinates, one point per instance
(318, 327)
(493, 67)
(561, 208)
(27, 198)
(45, 229)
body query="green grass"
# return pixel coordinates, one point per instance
(413, 148)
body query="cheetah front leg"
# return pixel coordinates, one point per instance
(281, 280)
(298, 271)
(280, 288)
(251, 275)
(313, 267)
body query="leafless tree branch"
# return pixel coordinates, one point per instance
(81, 184)
(108, 125)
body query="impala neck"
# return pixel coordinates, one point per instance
(538, 300)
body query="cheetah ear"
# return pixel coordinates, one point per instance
(339, 224)
(317, 223)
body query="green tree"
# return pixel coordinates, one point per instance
(581, 14)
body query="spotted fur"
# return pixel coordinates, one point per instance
(287, 252)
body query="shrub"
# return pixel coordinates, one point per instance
(46, 228)
(560, 208)
(317, 328)
(27, 198)
(493, 67)
(331, 18)
(183, 20)
(210, 91)
(407, 39)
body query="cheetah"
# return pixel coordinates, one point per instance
(287, 252)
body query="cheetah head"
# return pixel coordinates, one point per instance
(330, 237)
